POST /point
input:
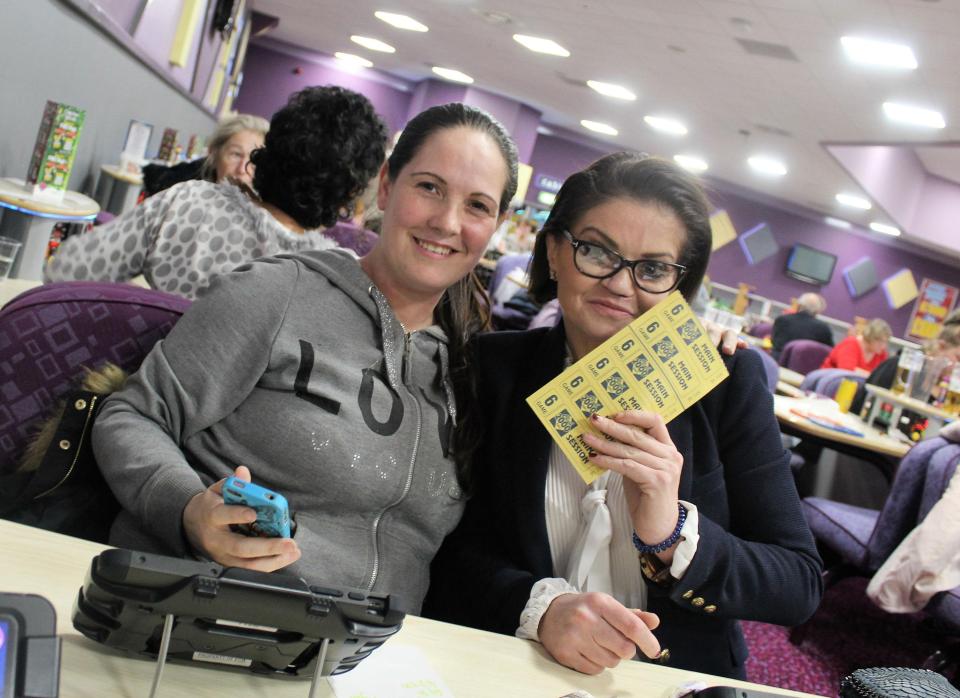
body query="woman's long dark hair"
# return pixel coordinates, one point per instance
(464, 308)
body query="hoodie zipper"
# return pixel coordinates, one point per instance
(413, 460)
(91, 406)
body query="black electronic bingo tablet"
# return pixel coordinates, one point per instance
(264, 623)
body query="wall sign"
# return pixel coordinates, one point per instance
(934, 303)
(548, 183)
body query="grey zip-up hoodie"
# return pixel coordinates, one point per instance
(296, 367)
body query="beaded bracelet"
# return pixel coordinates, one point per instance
(669, 542)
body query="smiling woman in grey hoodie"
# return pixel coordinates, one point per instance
(332, 380)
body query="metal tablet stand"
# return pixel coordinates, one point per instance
(165, 645)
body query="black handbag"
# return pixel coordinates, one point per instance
(66, 492)
(893, 682)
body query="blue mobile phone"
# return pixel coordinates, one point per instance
(273, 514)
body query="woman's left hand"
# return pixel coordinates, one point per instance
(644, 454)
(726, 339)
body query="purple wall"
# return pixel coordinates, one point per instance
(558, 158)
(155, 33)
(269, 80)
(729, 266)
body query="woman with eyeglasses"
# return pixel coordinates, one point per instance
(697, 522)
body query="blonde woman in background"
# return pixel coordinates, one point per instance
(863, 352)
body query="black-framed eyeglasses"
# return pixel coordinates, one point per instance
(598, 262)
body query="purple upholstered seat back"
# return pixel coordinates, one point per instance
(942, 467)
(352, 237)
(826, 381)
(50, 333)
(770, 367)
(761, 329)
(901, 510)
(803, 355)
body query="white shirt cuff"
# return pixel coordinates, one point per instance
(541, 596)
(689, 538)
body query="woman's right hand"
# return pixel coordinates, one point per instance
(591, 631)
(207, 520)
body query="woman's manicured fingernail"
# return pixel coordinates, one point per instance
(595, 417)
(592, 454)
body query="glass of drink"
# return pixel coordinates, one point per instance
(8, 255)
(951, 402)
(929, 375)
(846, 391)
(909, 366)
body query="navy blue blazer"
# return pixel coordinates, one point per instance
(756, 558)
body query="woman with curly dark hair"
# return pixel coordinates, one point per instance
(320, 152)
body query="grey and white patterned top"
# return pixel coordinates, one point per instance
(179, 240)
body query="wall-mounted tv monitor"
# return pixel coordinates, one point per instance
(811, 265)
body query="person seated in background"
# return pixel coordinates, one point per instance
(802, 324)
(863, 352)
(228, 156)
(695, 524)
(946, 345)
(322, 149)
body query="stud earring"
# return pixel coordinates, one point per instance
(553, 274)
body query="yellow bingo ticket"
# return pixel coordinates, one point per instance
(663, 362)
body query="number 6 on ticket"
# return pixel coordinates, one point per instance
(662, 361)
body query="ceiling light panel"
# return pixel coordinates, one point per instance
(372, 44)
(452, 74)
(914, 116)
(767, 165)
(352, 60)
(401, 21)
(608, 89)
(541, 45)
(665, 124)
(691, 163)
(885, 229)
(838, 223)
(854, 201)
(882, 54)
(598, 127)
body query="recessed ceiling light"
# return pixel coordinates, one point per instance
(915, 116)
(544, 130)
(767, 165)
(598, 127)
(608, 89)
(854, 201)
(353, 60)
(885, 229)
(400, 21)
(666, 125)
(535, 43)
(879, 53)
(451, 74)
(372, 44)
(691, 163)
(837, 222)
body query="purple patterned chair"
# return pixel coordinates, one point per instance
(803, 355)
(826, 381)
(770, 367)
(864, 538)
(352, 237)
(761, 329)
(49, 333)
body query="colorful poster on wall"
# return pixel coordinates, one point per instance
(722, 228)
(934, 303)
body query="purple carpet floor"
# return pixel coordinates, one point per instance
(847, 632)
